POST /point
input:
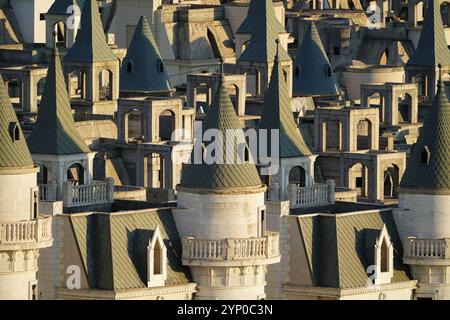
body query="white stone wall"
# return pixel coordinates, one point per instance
(428, 216)
(27, 13)
(16, 285)
(209, 216)
(15, 196)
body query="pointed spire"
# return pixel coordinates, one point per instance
(54, 132)
(14, 153)
(313, 74)
(429, 164)
(256, 10)
(277, 115)
(143, 68)
(222, 174)
(432, 47)
(62, 7)
(90, 44)
(265, 30)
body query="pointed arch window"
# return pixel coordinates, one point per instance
(425, 156)
(384, 257)
(14, 131)
(160, 65)
(156, 260)
(130, 66)
(297, 71)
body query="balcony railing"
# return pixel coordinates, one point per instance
(47, 192)
(97, 192)
(316, 195)
(232, 249)
(427, 248)
(26, 231)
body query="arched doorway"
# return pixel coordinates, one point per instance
(77, 87)
(297, 176)
(42, 176)
(60, 28)
(358, 178)
(405, 108)
(391, 181)
(166, 125)
(333, 135)
(364, 135)
(105, 85)
(134, 126)
(75, 174)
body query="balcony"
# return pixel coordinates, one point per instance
(431, 250)
(233, 251)
(313, 196)
(29, 234)
(47, 192)
(95, 193)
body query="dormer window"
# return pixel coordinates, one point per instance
(160, 66)
(14, 131)
(425, 156)
(157, 260)
(130, 66)
(384, 258)
(328, 71)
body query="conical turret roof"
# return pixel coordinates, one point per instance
(54, 132)
(222, 174)
(143, 68)
(313, 74)
(265, 29)
(432, 47)
(277, 115)
(90, 44)
(429, 164)
(14, 153)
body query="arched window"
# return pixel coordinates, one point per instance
(130, 66)
(425, 156)
(384, 257)
(14, 131)
(160, 66)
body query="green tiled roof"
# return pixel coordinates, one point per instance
(340, 248)
(90, 44)
(277, 114)
(60, 7)
(262, 46)
(222, 117)
(313, 74)
(432, 48)
(113, 248)
(145, 62)
(255, 11)
(54, 132)
(13, 153)
(434, 137)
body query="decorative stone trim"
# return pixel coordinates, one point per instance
(337, 292)
(224, 191)
(125, 294)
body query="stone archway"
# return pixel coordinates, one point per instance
(75, 174)
(297, 176)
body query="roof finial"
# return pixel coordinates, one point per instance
(277, 41)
